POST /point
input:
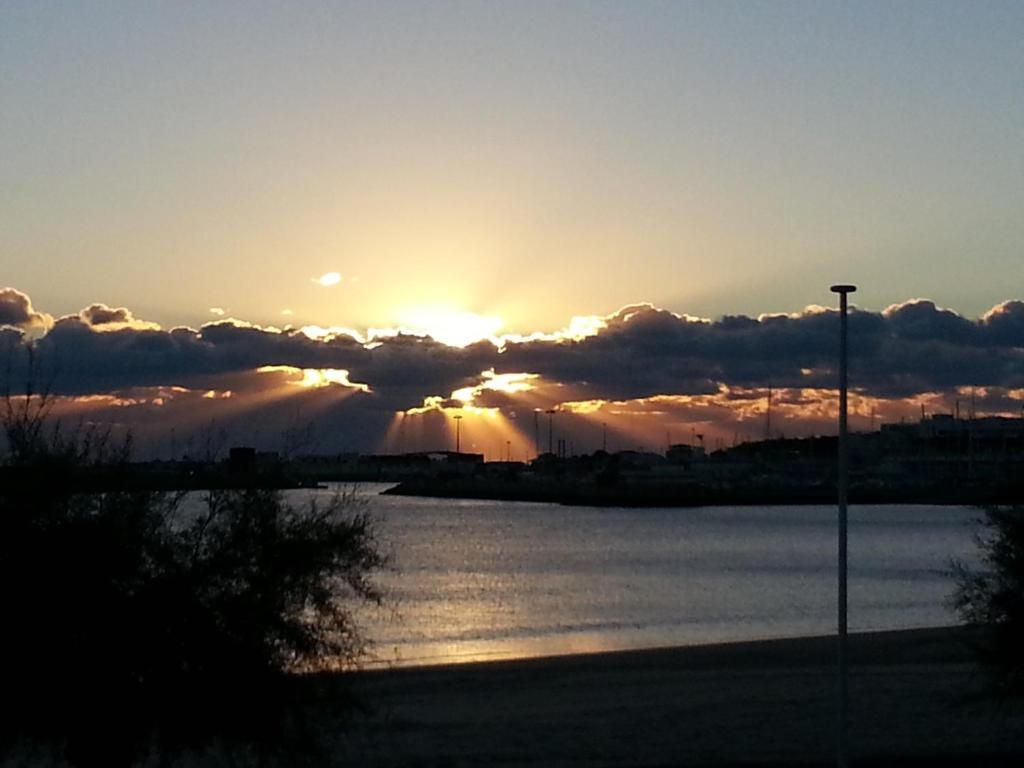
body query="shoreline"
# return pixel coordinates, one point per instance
(689, 495)
(916, 697)
(948, 643)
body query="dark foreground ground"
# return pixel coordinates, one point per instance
(916, 699)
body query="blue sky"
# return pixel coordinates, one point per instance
(530, 161)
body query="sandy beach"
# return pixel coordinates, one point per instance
(916, 698)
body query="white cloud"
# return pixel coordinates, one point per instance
(328, 279)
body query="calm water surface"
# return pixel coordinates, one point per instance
(475, 580)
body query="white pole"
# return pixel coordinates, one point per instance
(843, 483)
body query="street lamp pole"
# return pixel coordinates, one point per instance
(458, 433)
(842, 748)
(536, 432)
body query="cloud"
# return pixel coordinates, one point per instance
(920, 319)
(1003, 325)
(16, 311)
(639, 351)
(218, 311)
(328, 279)
(631, 357)
(100, 317)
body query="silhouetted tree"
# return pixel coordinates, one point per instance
(992, 596)
(139, 620)
(25, 413)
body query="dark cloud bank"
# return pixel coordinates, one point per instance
(642, 351)
(915, 347)
(16, 311)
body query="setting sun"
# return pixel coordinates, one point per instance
(456, 328)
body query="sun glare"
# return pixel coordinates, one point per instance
(455, 328)
(509, 383)
(324, 377)
(316, 377)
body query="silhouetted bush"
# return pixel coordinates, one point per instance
(138, 621)
(993, 596)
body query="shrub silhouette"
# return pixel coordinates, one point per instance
(139, 620)
(993, 596)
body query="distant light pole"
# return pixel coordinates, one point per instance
(458, 432)
(551, 416)
(536, 432)
(842, 484)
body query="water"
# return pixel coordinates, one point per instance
(476, 580)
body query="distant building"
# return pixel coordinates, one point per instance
(682, 454)
(462, 459)
(987, 449)
(987, 434)
(639, 459)
(241, 459)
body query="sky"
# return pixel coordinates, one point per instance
(660, 172)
